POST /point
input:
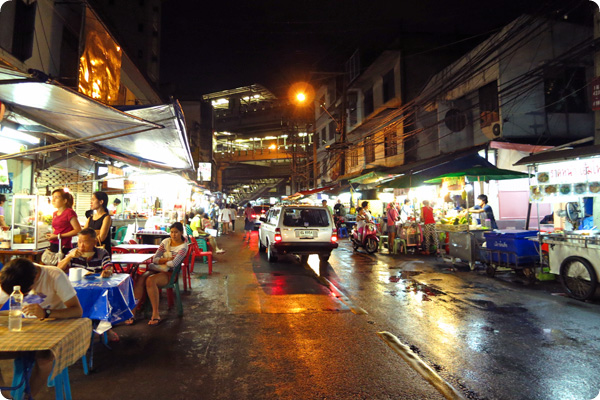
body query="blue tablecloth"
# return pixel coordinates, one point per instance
(108, 300)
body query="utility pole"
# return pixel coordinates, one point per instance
(596, 206)
(314, 151)
(596, 72)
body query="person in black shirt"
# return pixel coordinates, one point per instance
(101, 220)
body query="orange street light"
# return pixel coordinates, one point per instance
(301, 93)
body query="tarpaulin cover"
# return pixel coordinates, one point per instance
(168, 145)
(63, 110)
(108, 299)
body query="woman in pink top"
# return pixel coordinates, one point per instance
(64, 221)
(429, 221)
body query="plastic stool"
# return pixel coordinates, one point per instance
(382, 240)
(343, 232)
(61, 384)
(399, 245)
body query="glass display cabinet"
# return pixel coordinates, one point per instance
(31, 220)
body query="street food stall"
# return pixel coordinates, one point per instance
(570, 179)
(464, 235)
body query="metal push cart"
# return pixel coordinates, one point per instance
(515, 250)
(463, 243)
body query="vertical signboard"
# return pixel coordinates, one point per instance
(204, 171)
(100, 63)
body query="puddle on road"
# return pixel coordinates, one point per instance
(491, 306)
(409, 285)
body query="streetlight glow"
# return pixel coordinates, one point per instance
(301, 94)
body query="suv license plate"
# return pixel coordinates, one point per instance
(306, 234)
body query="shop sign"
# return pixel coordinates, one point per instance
(204, 171)
(565, 181)
(454, 183)
(115, 184)
(128, 186)
(596, 94)
(114, 171)
(2, 106)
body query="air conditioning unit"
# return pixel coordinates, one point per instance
(490, 124)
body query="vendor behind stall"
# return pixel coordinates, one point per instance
(484, 208)
(3, 224)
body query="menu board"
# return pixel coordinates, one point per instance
(565, 181)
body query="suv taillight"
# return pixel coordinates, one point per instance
(334, 237)
(277, 235)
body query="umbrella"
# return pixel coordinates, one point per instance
(481, 174)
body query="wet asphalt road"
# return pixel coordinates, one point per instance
(254, 330)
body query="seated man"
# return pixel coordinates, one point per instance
(87, 255)
(47, 293)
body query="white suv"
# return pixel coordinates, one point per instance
(298, 229)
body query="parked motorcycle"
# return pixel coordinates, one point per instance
(370, 240)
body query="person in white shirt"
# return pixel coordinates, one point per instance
(225, 218)
(405, 211)
(232, 216)
(47, 293)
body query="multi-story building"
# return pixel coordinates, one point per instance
(137, 26)
(62, 72)
(260, 142)
(528, 83)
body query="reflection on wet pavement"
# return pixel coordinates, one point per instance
(479, 332)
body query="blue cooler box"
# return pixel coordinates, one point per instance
(513, 241)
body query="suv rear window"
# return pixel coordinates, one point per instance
(305, 217)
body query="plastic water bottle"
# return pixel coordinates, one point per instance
(15, 313)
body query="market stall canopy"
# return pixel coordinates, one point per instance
(560, 155)
(371, 177)
(439, 166)
(71, 117)
(481, 174)
(168, 145)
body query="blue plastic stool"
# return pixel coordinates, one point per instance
(343, 232)
(62, 385)
(23, 366)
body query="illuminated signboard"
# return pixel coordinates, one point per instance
(204, 171)
(565, 181)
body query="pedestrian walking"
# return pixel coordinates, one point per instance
(225, 218)
(248, 221)
(232, 216)
(429, 221)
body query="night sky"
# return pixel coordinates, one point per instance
(218, 45)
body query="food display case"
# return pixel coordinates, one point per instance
(31, 220)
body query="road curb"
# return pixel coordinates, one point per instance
(420, 366)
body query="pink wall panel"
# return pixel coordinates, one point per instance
(513, 205)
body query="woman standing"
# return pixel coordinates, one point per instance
(428, 219)
(101, 220)
(64, 222)
(249, 221)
